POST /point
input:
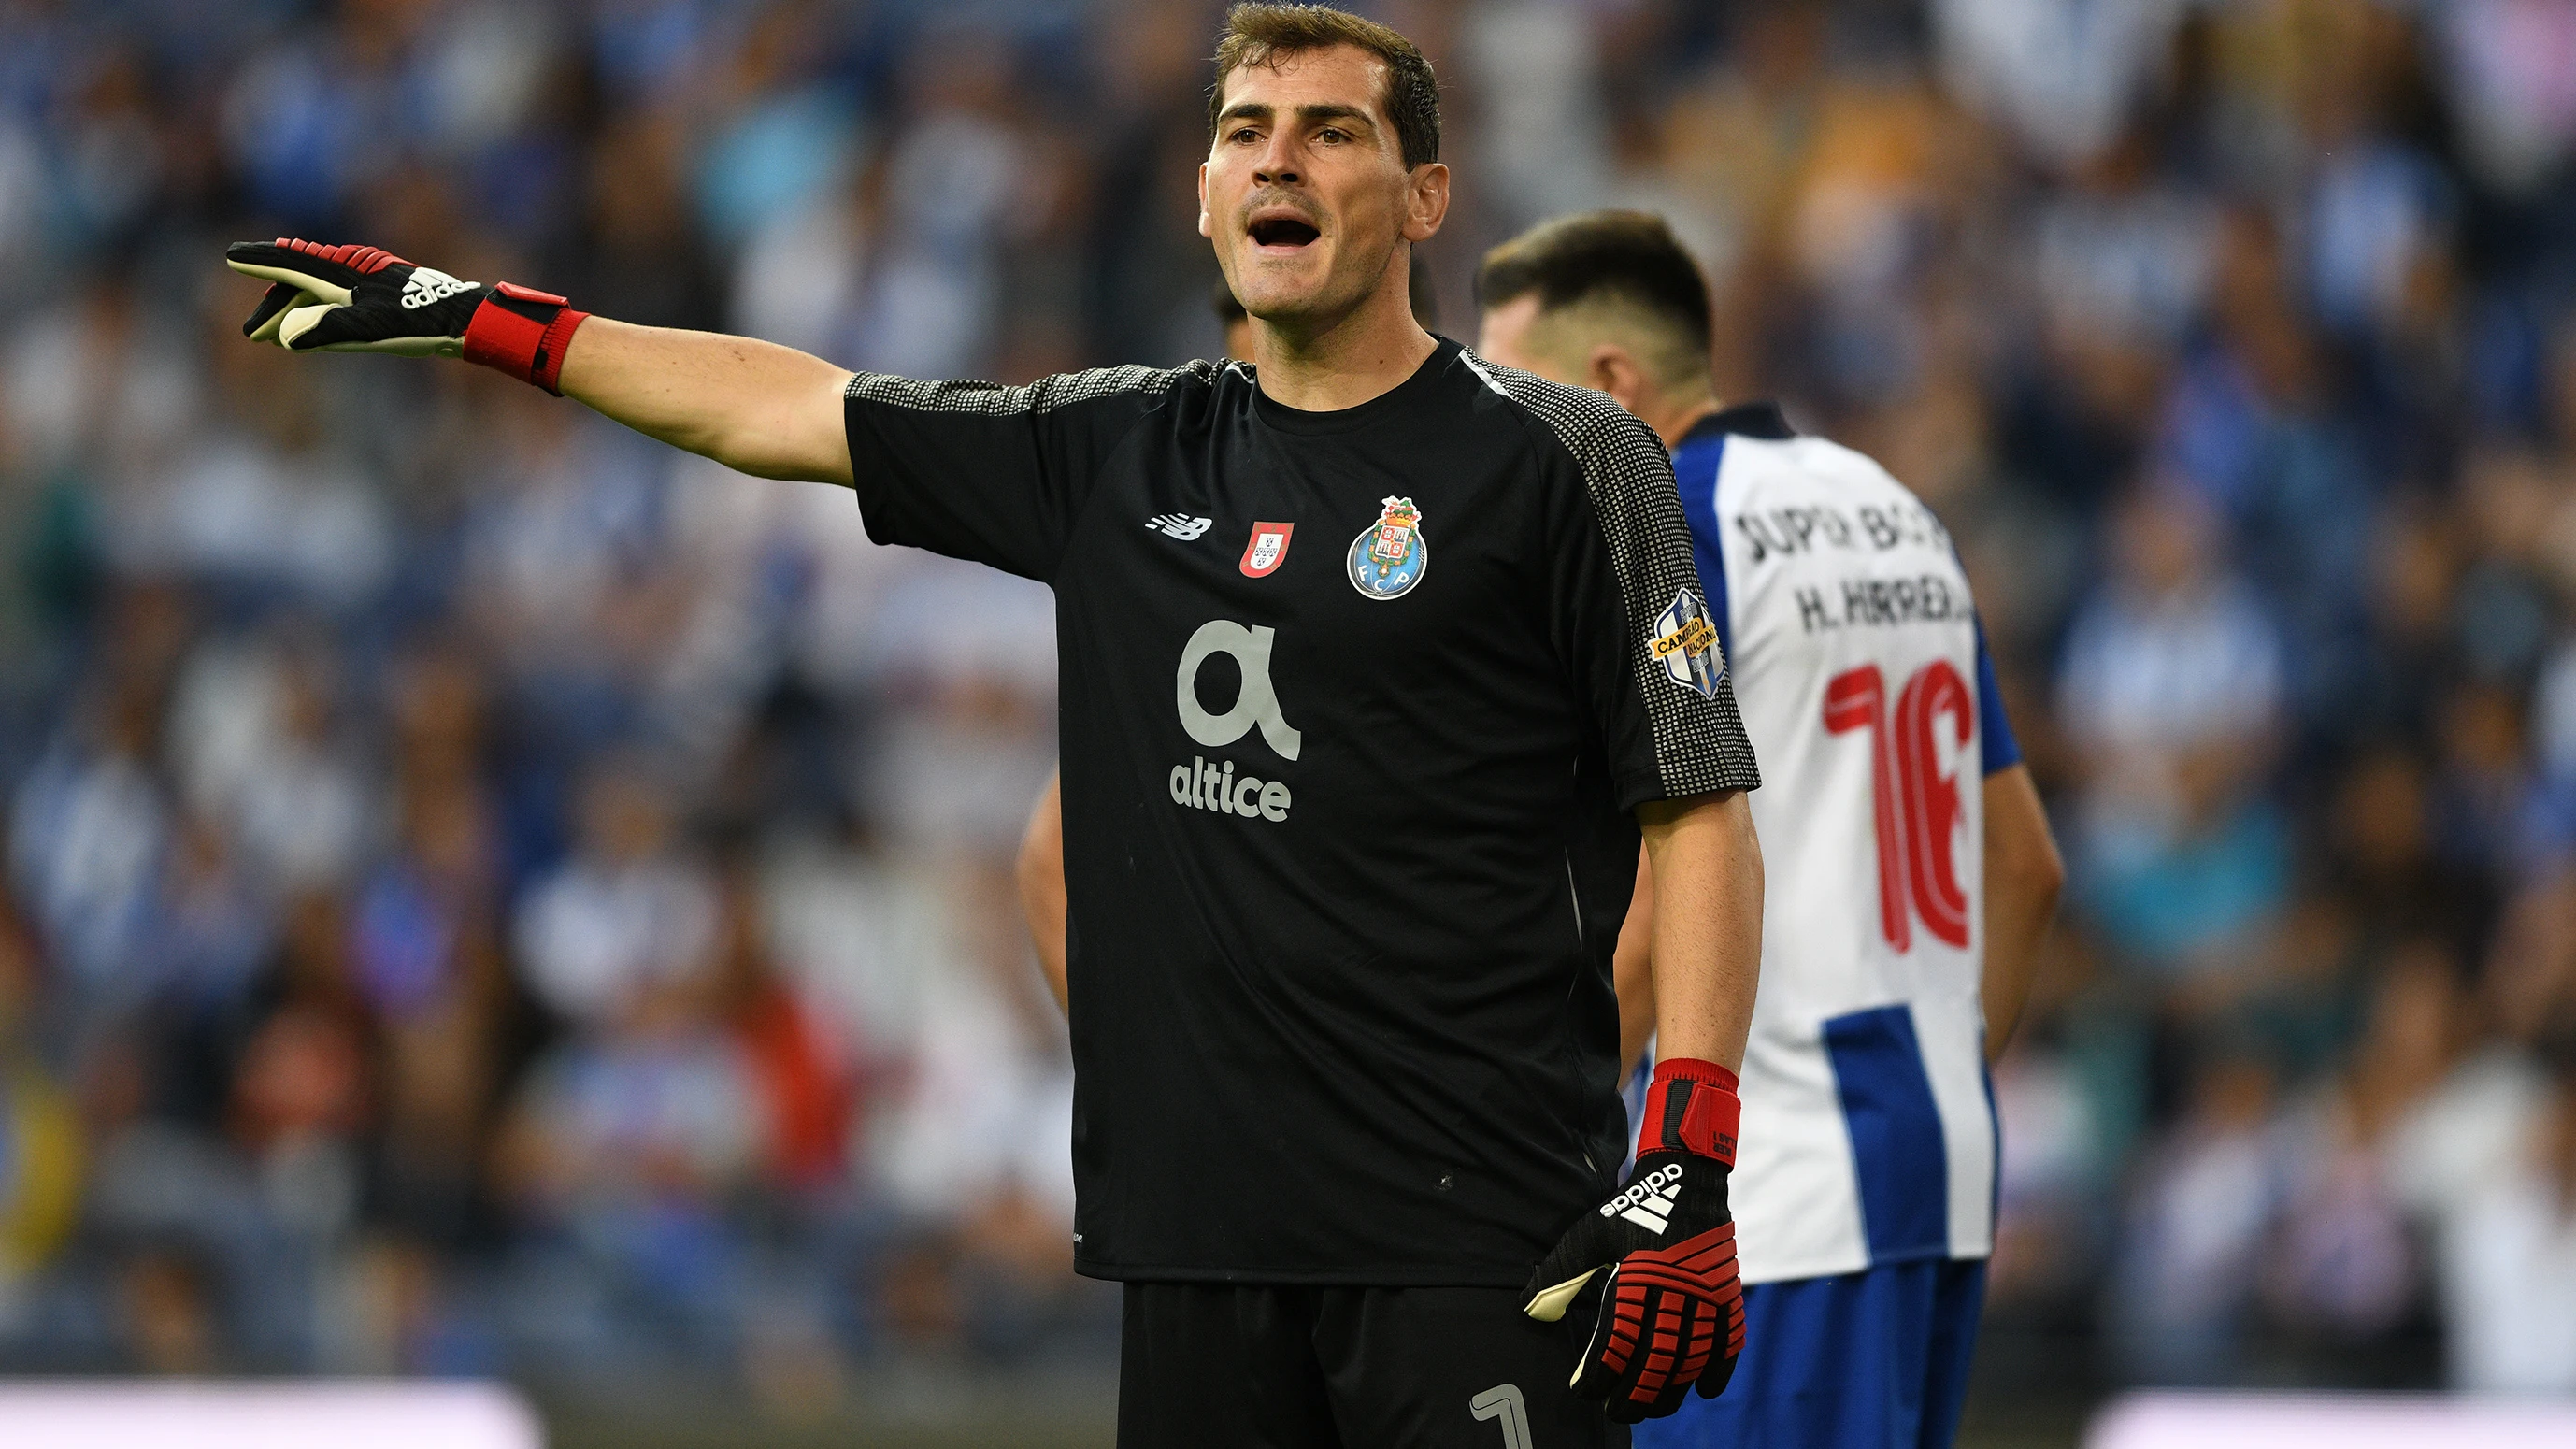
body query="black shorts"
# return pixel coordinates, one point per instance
(1219, 1366)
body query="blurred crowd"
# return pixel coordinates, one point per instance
(486, 893)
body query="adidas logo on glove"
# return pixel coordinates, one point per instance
(427, 286)
(352, 298)
(1649, 1200)
(1671, 1313)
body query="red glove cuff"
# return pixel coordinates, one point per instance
(1691, 1106)
(523, 332)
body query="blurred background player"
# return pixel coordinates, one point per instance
(1041, 863)
(1905, 902)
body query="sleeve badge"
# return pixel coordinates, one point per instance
(1685, 643)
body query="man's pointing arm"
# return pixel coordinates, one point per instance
(753, 406)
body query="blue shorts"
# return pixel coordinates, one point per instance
(1870, 1360)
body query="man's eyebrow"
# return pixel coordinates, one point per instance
(1311, 115)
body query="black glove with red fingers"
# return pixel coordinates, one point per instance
(362, 299)
(1672, 1311)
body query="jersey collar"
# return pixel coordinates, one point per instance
(1759, 419)
(1394, 400)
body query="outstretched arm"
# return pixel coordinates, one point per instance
(752, 406)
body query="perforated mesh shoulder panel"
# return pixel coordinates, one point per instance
(1061, 390)
(1700, 745)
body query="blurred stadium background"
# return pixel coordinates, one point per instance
(489, 896)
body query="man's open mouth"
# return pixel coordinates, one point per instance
(1282, 231)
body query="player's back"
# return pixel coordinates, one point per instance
(1867, 1137)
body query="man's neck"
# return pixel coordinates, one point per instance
(1368, 352)
(1672, 419)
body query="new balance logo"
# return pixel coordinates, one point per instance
(1172, 525)
(429, 285)
(1648, 1202)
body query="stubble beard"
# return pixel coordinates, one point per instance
(1298, 308)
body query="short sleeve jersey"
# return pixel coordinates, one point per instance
(1868, 1136)
(1354, 707)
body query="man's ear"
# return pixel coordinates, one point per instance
(1611, 368)
(1207, 228)
(1426, 201)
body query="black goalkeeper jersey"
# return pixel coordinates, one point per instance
(1354, 707)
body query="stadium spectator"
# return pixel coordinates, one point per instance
(2172, 694)
(627, 916)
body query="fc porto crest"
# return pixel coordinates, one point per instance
(1268, 547)
(1685, 643)
(1389, 557)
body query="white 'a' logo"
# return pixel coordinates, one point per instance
(1255, 705)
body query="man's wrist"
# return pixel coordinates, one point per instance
(1691, 1106)
(523, 332)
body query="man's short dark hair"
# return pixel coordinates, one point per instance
(1264, 34)
(1426, 308)
(1625, 256)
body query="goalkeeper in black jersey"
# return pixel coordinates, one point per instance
(1376, 659)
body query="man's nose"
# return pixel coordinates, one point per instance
(1278, 165)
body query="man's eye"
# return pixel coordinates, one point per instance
(1332, 135)
(1244, 134)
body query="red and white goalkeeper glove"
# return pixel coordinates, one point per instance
(1672, 1311)
(363, 299)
